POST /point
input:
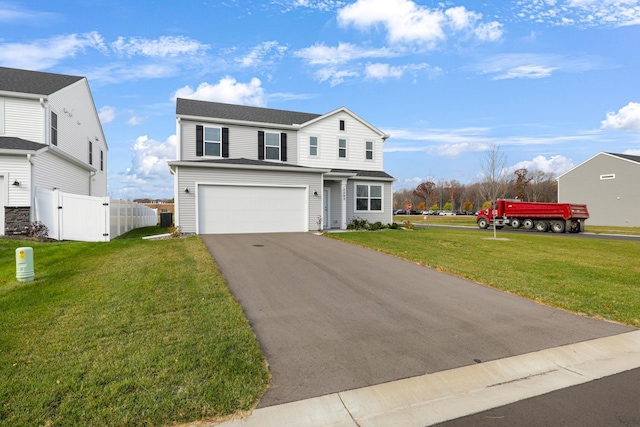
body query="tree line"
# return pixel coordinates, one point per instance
(451, 195)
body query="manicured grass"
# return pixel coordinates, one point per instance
(131, 332)
(598, 278)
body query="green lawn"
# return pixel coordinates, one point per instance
(131, 332)
(598, 278)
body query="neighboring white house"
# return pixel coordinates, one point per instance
(609, 184)
(50, 138)
(243, 169)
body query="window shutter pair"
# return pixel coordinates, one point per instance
(283, 146)
(200, 141)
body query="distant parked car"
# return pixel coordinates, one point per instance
(399, 212)
(446, 213)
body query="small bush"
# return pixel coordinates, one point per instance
(394, 226)
(376, 226)
(407, 224)
(37, 229)
(358, 224)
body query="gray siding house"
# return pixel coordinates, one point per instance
(241, 169)
(50, 137)
(609, 184)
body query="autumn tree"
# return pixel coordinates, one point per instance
(425, 191)
(521, 184)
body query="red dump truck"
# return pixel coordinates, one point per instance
(557, 217)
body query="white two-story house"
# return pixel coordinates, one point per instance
(243, 169)
(50, 138)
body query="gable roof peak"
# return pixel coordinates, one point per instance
(34, 82)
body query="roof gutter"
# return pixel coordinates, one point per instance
(9, 94)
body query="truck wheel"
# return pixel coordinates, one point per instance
(528, 224)
(483, 223)
(542, 225)
(515, 223)
(558, 226)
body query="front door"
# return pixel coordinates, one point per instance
(326, 220)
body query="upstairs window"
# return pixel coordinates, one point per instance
(272, 146)
(368, 151)
(313, 146)
(54, 129)
(341, 124)
(342, 148)
(212, 141)
(90, 152)
(368, 197)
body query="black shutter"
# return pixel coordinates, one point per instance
(225, 142)
(199, 140)
(260, 145)
(283, 147)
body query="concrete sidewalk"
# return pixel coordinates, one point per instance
(434, 398)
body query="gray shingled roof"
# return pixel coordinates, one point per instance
(365, 174)
(12, 143)
(243, 161)
(35, 82)
(627, 157)
(189, 107)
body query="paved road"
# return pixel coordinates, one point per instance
(612, 401)
(331, 316)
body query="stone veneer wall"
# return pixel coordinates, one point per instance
(16, 220)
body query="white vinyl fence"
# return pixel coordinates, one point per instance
(87, 218)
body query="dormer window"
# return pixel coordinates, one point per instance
(341, 124)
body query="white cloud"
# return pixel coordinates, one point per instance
(149, 169)
(582, 13)
(534, 66)
(380, 71)
(632, 152)
(13, 13)
(45, 53)
(627, 118)
(163, 47)
(319, 54)
(107, 114)
(556, 165)
(334, 76)
(135, 120)
(263, 54)
(227, 90)
(407, 22)
(323, 5)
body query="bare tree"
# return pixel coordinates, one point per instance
(493, 186)
(493, 164)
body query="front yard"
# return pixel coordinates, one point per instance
(131, 332)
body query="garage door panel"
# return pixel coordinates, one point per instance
(251, 209)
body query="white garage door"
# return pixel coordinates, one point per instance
(231, 209)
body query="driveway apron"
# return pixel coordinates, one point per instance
(331, 316)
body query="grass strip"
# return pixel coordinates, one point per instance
(597, 278)
(131, 332)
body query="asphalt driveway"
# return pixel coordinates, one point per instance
(332, 317)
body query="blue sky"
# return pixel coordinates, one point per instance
(552, 82)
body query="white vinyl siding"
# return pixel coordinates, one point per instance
(51, 171)
(24, 118)
(16, 168)
(243, 141)
(356, 134)
(385, 215)
(191, 177)
(1, 115)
